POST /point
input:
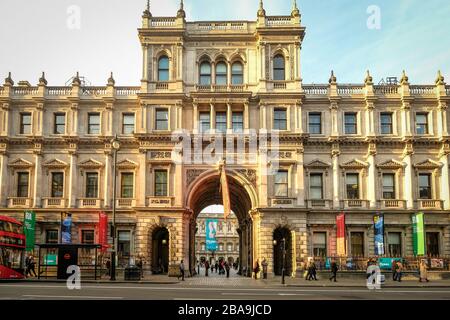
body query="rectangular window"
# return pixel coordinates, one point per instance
(87, 236)
(60, 123)
(320, 244)
(422, 123)
(280, 119)
(203, 247)
(161, 183)
(51, 236)
(350, 123)
(205, 122)
(281, 184)
(425, 186)
(91, 185)
(395, 244)
(162, 119)
(126, 185)
(57, 184)
(388, 186)
(220, 246)
(128, 123)
(316, 186)
(315, 123)
(229, 247)
(94, 123)
(386, 123)
(25, 123)
(357, 243)
(352, 185)
(124, 240)
(432, 241)
(221, 122)
(22, 184)
(237, 121)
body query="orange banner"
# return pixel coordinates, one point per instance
(340, 234)
(225, 192)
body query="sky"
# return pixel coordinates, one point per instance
(61, 37)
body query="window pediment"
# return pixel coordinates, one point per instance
(318, 164)
(91, 164)
(127, 164)
(354, 164)
(55, 164)
(390, 164)
(20, 163)
(427, 164)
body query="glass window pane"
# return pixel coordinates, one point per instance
(278, 68)
(162, 119)
(237, 121)
(161, 183)
(22, 184)
(394, 237)
(205, 122)
(164, 63)
(91, 185)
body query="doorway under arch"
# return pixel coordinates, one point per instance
(160, 250)
(282, 239)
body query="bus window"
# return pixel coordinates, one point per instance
(2, 225)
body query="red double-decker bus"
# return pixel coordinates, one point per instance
(12, 248)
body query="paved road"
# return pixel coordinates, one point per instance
(58, 291)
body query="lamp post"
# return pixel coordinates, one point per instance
(115, 146)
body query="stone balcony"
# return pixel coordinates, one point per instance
(355, 204)
(160, 201)
(125, 203)
(19, 202)
(221, 88)
(319, 203)
(429, 204)
(90, 203)
(49, 202)
(391, 204)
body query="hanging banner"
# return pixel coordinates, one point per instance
(211, 232)
(340, 234)
(29, 223)
(66, 229)
(378, 224)
(103, 230)
(225, 192)
(418, 234)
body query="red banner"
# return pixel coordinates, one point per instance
(103, 230)
(340, 234)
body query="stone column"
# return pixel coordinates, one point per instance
(73, 177)
(39, 119)
(334, 119)
(37, 179)
(444, 187)
(74, 109)
(229, 119)
(300, 180)
(371, 177)
(108, 116)
(407, 181)
(406, 118)
(3, 178)
(195, 117)
(229, 74)
(335, 157)
(442, 120)
(212, 115)
(256, 233)
(370, 121)
(5, 119)
(108, 178)
(246, 117)
(141, 180)
(263, 115)
(298, 117)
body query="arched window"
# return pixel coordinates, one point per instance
(221, 73)
(237, 73)
(205, 73)
(163, 69)
(278, 67)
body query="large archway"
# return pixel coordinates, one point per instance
(205, 191)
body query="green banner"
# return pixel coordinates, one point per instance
(418, 234)
(28, 229)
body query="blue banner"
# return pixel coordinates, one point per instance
(378, 224)
(211, 232)
(66, 230)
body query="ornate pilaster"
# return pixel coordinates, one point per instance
(444, 181)
(73, 176)
(37, 175)
(335, 152)
(371, 179)
(3, 174)
(408, 175)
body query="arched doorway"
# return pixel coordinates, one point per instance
(282, 239)
(205, 191)
(160, 250)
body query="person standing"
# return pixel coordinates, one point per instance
(227, 269)
(31, 266)
(181, 275)
(198, 267)
(399, 271)
(256, 268)
(139, 265)
(394, 270)
(264, 268)
(206, 268)
(314, 272)
(334, 270)
(423, 270)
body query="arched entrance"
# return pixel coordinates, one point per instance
(160, 250)
(205, 191)
(282, 239)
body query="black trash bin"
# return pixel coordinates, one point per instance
(132, 273)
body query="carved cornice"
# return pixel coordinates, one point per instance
(91, 164)
(354, 164)
(20, 163)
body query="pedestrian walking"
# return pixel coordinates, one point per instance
(399, 271)
(206, 268)
(394, 270)
(216, 266)
(31, 266)
(108, 266)
(256, 268)
(314, 270)
(181, 275)
(423, 271)
(227, 269)
(334, 270)
(139, 265)
(264, 268)
(198, 267)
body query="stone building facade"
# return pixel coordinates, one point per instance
(360, 149)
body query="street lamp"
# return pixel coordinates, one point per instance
(115, 146)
